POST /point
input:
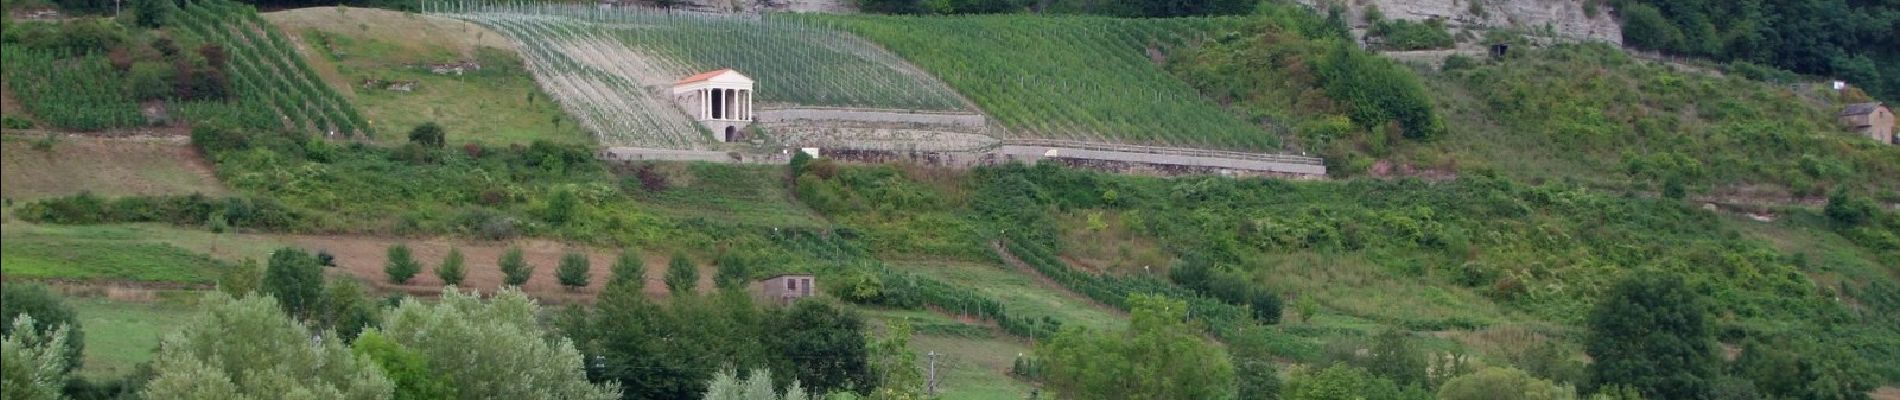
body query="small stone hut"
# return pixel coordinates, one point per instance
(787, 288)
(1870, 119)
(721, 100)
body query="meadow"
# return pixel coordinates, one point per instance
(120, 335)
(101, 255)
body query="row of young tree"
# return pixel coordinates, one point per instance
(286, 332)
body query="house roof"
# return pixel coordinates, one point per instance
(788, 274)
(703, 76)
(1861, 108)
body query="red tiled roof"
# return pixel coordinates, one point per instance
(703, 76)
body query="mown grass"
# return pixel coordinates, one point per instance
(498, 104)
(120, 335)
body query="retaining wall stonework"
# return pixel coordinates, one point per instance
(1561, 20)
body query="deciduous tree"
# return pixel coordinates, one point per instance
(493, 349)
(1651, 333)
(295, 280)
(33, 364)
(49, 312)
(1503, 384)
(247, 349)
(1160, 356)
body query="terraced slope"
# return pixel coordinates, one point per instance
(1076, 78)
(611, 68)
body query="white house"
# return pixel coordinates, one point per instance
(721, 100)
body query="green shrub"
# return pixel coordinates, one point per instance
(1503, 383)
(1408, 35)
(429, 135)
(515, 270)
(451, 271)
(15, 122)
(400, 266)
(628, 268)
(574, 270)
(681, 276)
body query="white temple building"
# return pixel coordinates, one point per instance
(720, 100)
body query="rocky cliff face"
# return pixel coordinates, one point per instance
(1553, 20)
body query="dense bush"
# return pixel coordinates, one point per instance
(1407, 35)
(1575, 110)
(261, 213)
(1291, 67)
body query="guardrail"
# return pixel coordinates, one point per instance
(1180, 151)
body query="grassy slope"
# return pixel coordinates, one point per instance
(111, 253)
(1590, 113)
(1020, 292)
(728, 194)
(104, 167)
(498, 105)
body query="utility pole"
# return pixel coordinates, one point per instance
(931, 384)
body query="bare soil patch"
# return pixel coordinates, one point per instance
(1887, 393)
(363, 258)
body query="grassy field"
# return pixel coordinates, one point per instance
(1070, 77)
(104, 167)
(729, 194)
(1023, 294)
(121, 335)
(497, 104)
(101, 254)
